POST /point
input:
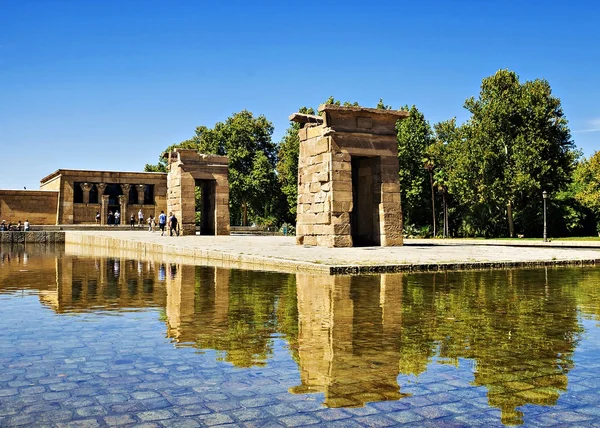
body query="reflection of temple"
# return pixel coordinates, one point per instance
(230, 311)
(70, 284)
(349, 329)
(352, 337)
(107, 283)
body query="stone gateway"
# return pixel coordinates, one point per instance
(348, 187)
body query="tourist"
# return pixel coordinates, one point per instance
(97, 217)
(162, 222)
(3, 226)
(117, 217)
(173, 225)
(140, 218)
(151, 224)
(111, 218)
(19, 226)
(132, 221)
(26, 226)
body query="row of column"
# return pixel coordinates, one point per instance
(87, 187)
(123, 199)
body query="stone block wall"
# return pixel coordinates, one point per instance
(39, 207)
(348, 187)
(85, 213)
(185, 168)
(69, 212)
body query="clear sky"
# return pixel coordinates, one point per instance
(107, 85)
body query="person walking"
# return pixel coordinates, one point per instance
(131, 221)
(140, 218)
(162, 222)
(173, 225)
(26, 225)
(97, 217)
(117, 217)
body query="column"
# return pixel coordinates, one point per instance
(86, 187)
(140, 192)
(123, 208)
(124, 203)
(104, 210)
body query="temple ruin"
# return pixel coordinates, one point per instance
(348, 188)
(189, 172)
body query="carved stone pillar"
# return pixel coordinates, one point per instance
(125, 188)
(140, 192)
(86, 187)
(123, 207)
(101, 187)
(104, 215)
(124, 203)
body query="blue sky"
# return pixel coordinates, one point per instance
(107, 85)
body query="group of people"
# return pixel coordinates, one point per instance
(171, 222)
(5, 227)
(113, 218)
(163, 222)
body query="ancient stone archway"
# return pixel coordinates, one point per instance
(189, 170)
(348, 187)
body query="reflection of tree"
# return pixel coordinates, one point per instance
(520, 331)
(587, 289)
(233, 311)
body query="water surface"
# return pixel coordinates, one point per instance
(106, 341)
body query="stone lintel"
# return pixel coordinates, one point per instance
(360, 111)
(306, 118)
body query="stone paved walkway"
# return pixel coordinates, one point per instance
(281, 252)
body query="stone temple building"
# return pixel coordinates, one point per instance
(348, 187)
(73, 197)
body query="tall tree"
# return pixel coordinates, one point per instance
(587, 185)
(517, 143)
(162, 165)
(446, 134)
(246, 141)
(287, 164)
(414, 136)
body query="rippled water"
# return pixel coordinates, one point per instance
(108, 341)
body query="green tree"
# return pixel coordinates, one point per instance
(516, 144)
(587, 185)
(246, 141)
(162, 165)
(446, 133)
(414, 136)
(287, 165)
(381, 105)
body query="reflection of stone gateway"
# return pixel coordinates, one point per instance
(339, 321)
(348, 188)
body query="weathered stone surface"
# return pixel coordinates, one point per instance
(185, 168)
(347, 138)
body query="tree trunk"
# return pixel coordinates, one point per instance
(445, 232)
(432, 200)
(511, 226)
(244, 214)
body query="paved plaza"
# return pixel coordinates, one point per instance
(282, 253)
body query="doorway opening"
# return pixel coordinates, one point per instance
(205, 204)
(366, 196)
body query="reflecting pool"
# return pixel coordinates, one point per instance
(106, 341)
